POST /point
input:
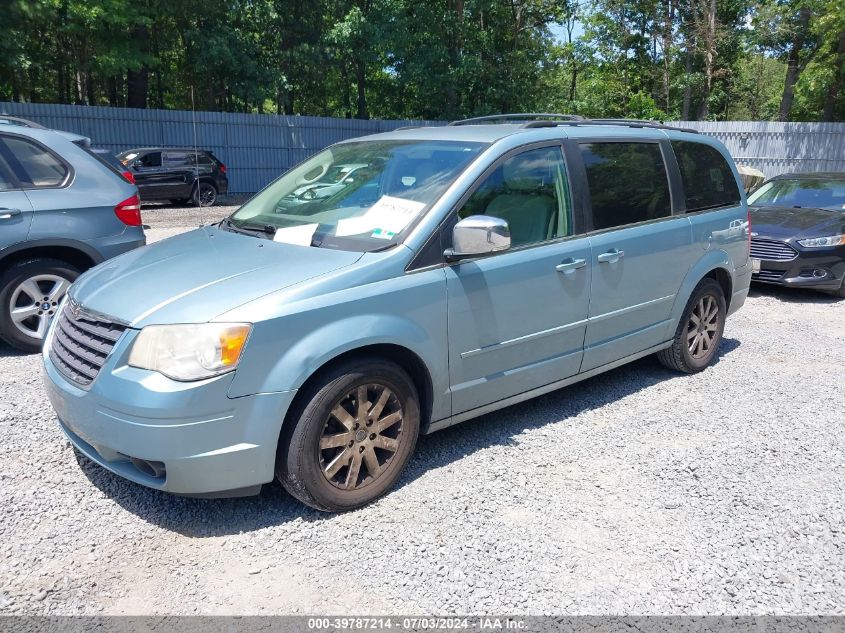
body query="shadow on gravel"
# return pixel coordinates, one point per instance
(793, 295)
(220, 517)
(7, 351)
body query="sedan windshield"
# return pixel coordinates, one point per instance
(811, 193)
(356, 196)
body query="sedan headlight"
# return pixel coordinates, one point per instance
(190, 352)
(821, 242)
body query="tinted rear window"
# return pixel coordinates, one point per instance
(707, 178)
(33, 165)
(628, 183)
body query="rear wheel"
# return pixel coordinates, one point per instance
(30, 293)
(350, 436)
(699, 333)
(205, 195)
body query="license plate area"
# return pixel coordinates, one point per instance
(755, 265)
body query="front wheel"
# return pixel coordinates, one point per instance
(699, 333)
(350, 436)
(30, 293)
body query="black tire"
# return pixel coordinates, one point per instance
(680, 355)
(300, 460)
(841, 292)
(10, 283)
(205, 195)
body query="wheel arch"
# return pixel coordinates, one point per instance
(714, 264)
(408, 360)
(78, 255)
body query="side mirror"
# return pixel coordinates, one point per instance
(478, 235)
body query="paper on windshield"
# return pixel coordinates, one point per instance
(296, 235)
(389, 215)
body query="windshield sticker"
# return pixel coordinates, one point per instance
(296, 235)
(388, 214)
(383, 235)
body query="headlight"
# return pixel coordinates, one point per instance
(190, 352)
(821, 242)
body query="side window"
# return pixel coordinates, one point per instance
(628, 183)
(6, 182)
(707, 178)
(178, 159)
(35, 167)
(153, 159)
(531, 192)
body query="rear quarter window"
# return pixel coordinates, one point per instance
(33, 165)
(706, 176)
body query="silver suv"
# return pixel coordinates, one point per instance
(63, 210)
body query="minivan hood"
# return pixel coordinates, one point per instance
(196, 276)
(787, 222)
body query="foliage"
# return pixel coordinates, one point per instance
(433, 59)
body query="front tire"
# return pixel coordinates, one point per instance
(30, 292)
(350, 436)
(700, 330)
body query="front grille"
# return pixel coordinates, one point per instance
(768, 275)
(81, 344)
(772, 250)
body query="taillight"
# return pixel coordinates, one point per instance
(129, 211)
(127, 175)
(222, 168)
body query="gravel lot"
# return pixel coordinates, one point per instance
(639, 491)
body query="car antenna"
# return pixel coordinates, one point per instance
(196, 160)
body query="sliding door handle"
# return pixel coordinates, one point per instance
(611, 256)
(570, 265)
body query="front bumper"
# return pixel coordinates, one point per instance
(185, 438)
(820, 269)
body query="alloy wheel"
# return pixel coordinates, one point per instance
(207, 195)
(702, 327)
(34, 302)
(361, 436)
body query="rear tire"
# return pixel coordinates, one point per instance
(335, 454)
(30, 292)
(205, 195)
(699, 333)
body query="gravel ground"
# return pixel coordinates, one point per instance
(639, 491)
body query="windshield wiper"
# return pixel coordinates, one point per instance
(267, 230)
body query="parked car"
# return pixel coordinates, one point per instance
(179, 175)
(476, 267)
(799, 231)
(112, 160)
(62, 210)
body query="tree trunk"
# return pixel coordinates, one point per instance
(793, 65)
(137, 81)
(112, 87)
(685, 109)
(669, 19)
(709, 57)
(835, 88)
(360, 79)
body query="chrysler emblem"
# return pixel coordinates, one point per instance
(73, 308)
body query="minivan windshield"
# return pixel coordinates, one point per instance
(811, 192)
(358, 196)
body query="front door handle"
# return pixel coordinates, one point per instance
(611, 256)
(570, 265)
(5, 214)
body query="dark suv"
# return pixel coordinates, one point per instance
(178, 175)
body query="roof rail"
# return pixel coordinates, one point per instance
(517, 117)
(657, 125)
(21, 122)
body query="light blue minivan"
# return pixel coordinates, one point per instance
(456, 271)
